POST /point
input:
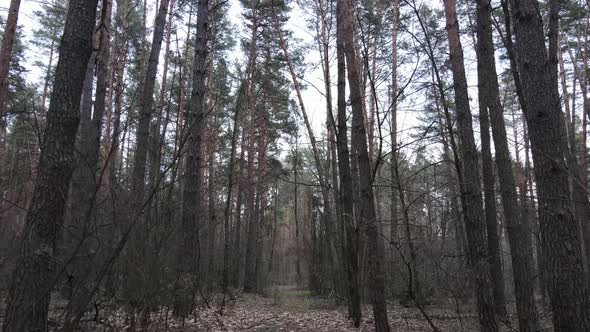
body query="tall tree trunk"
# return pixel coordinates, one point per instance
(121, 57)
(154, 148)
(414, 286)
(212, 201)
(519, 230)
(332, 255)
(346, 182)
(191, 197)
(261, 187)
(85, 183)
(473, 205)
(489, 179)
(136, 278)
(393, 232)
(250, 270)
(5, 58)
(296, 212)
(568, 289)
(237, 259)
(91, 145)
(448, 140)
(359, 143)
(250, 276)
(146, 107)
(580, 170)
(225, 280)
(324, 47)
(578, 184)
(46, 79)
(35, 272)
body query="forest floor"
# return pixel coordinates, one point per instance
(289, 309)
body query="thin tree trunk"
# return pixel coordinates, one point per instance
(47, 76)
(332, 254)
(191, 197)
(5, 58)
(146, 107)
(122, 46)
(359, 143)
(212, 214)
(489, 179)
(250, 275)
(519, 230)
(346, 181)
(473, 205)
(154, 148)
(296, 211)
(580, 170)
(414, 282)
(228, 202)
(578, 185)
(393, 232)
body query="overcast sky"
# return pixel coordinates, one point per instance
(314, 100)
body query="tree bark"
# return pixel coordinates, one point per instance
(567, 285)
(191, 197)
(350, 247)
(471, 188)
(5, 58)
(113, 143)
(146, 107)
(393, 204)
(332, 255)
(578, 184)
(35, 272)
(225, 280)
(519, 230)
(250, 274)
(359, 143)
(489, 179)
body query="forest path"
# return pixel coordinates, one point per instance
(292, 309)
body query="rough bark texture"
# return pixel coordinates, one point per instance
(136, 279)
(562, 255)
(489, 179)
(119, 77)
(191, 198)
(393, 231)
(359, 143)
(345, 174)
(35, 272)
(250, 274)
(473, 205)
(579, 186)
(228, 201)
(519, 230)
(487, 162)
(146, 106)
(85, 183)
(5, 57)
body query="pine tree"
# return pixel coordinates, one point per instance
(33, 278)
